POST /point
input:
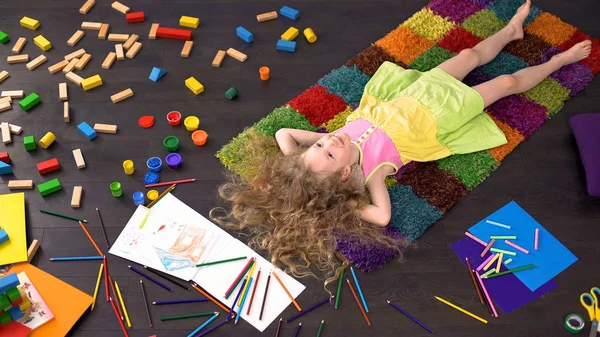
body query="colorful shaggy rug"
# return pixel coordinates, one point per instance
(421, 193)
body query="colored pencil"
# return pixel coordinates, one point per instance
(103, 229)
(232, 310)
(167, 277)
(203, 325)
(183, 181)
(529, 266)
(215, 327)
(90, 237)
(537, 236)
(489, 264)
(487, 296)
(253, 292)
(262, 308)
(485, 262)
(114, 295)
(106, 278)
(311, 308)
(499, 263)
(487, 248)
(278, 327)
(146, 303)
(358, 302)
(171, 188)
(77, 258)
(507, 252)
(339, 289)
(63, 215)
(150, 278)
(476, 239)
(241, 308)
(497, 224)
(287, 291)
(298, 329)
(487, 305)
(359, 290)
(212, 299)
(320, 328)
(123, 304)
(504, 237)
(118, 318)
(473, 279)
(238, 278)
(97, 285)
(461, 310)
(221, 261)
(410, 316)
(195, 300)
(200, 314)
(239, 303)
(516, 246)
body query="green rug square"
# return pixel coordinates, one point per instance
(483, 24)
(550, 94)
(428, 24)
(431, 59)
(283, 117)
(471, 168)
(339, 120)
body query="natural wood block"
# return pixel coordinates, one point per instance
(19, 45)
(66, 112)
(187, 48)
(120, 7)
(83, 61)
(58, 67)
(78, 158)
(6, 99)
(5, 105)
(119, 52)
(118, 37)
(75, 38)
(3, 75)
(121, 95)
(20, 184)
(103, 32)
(91, 25)
(130, 41)
(105, 128)
(5, 130)
(62, 91)
(134, 50)
(12, 93)
(35, 244)
(153, 29)
(266, 16)
(76, 198)
(70, 66)
(218, 58)
(36, 62)
(109, 60)
(87, 6)
(75, 55)
(71, 76)
(18, 59)
(237, 54)
(15, 129)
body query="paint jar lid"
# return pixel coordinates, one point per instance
(151, 178)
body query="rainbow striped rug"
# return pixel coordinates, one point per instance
(423, 192)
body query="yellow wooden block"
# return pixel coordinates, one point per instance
(30, 23)
(42, 42)
(195, 86)
(290, 34)
(188, 21)
(91, 82)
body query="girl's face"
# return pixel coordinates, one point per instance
(330, 154)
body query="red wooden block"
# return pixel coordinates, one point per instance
(48, 166)
(17, 302)
(172, 33)
(5, 157)
(134, 17)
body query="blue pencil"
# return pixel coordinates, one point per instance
(214, 327)
(359, 290)
(203, 325)
(150, 278)
(195, 300)
(239, 313)
(228, 318)
(76, 258)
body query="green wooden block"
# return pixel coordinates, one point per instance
(4, 302)
(5, 318)
(29, 143)
(4, 37)
(13, 294)
(49, 186)
(30, 101)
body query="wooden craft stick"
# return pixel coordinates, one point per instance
(121, 95)
(20, 184)
(218, 58)
(75, 38)
(19, 45)
(103, 32)
(18, 59)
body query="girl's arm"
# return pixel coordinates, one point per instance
(289, 139)
(380, 211)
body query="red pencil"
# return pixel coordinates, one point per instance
(358, 302)
(118, 318)
(106, 279)
(171, 182)
(473, 278)
(253, 292)
(112, 288)
(238, 278)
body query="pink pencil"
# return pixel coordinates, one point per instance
(537, 236)
(514, 245)
(485, 262)
(487, 248)
(475, 238)
(487, 295)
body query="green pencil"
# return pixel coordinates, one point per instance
(168, 190)
(221, 261)
(529, 266)
(339, 289)
(200, 314)
(63, 215)
(320, 328)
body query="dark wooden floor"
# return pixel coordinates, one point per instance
(543, 175)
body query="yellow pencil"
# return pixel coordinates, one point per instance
(122, 304)
(246, 286)
(97, 285)
(499, 262)
(461, 309)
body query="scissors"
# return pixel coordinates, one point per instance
(590, 303)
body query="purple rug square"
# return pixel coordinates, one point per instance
(455, 10)
(520, 113)
(575, 76)
(476, 77)
(368, 257)
(482, 3)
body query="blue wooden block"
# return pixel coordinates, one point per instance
(86, 130)
(244, 34)
(291, 13)
(157, 74)
(286, 46)
(3, 236)
(8, 282)
(15, 313)
(5, 168)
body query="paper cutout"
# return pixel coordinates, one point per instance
(12, 213)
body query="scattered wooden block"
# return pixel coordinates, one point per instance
(76, 198)
(5, 105)
(75, 38)
(19, 45)
(42, 43)
(91, 82)
(91, 25)
(5, 157)
(4, 75)
(18, 59)
(189, 21)
(66, 114)
(75, 55)
(58, 67)
(15, 129)
(130, 41)
(120, 7)
(195, 86)
(218, 58)
(36, 62)
(118, 37)
(119, 52)
(79, 158)
(62, 91)
(105, 128)
(30, 23)
(6, 99)
(48, 166)
(152, 34)
(30, 101)
(49, 187)
(174, 33)
(35, 245)
(109, 60)
(6, 139)
(266, 16)
(237, 54)
(116, 98)
(12, 93)
(83, 61)
(187, 48)
(20, 184)
(74, 78)
(290, 34)
(69, 68)
(103, 31)
(134, 50)
(134, 17)
(87, 6)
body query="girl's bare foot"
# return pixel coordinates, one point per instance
(515, 26)
(576, 53)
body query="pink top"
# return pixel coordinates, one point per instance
(376, 147)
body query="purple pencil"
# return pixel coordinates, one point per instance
(231, 311)
(195, 300)
(316, 305)
(410, 316)
(150, 278)
(205, 332)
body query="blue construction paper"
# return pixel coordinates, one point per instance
(506, 291)
(551, 258)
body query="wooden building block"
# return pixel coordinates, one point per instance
(62, 91)
(120, 7)
(87, 6)
(76, 197)
(91, 82)
(105, 128)
(18, 59)
(83, 61)
(6, 99)
(20, 184)
(109, 60)
(266, 16)
(35, 245)
(134, 50)
(19, 45)
(69, 68)
(119, 52)
(187, 48)
(118, 37)
(173, 33)
(6, 139)
(103, 32)
(4, 38)
(75, 38)
(36, 62)
(48, 166)
(15, 129)
(152, 33)
(49, 187)
(91, 25)
(237, 55)
(218, 58)
(74, 78)
(30, 23)
(134, 17)
(66, 114)
(58, 67)
(5, 157)
(3, 75)
(75, 55)
(79, 161)
(121, 95)
(42, 42)
(5, 105)
(30, 101)
(189, 21)
(12, 93)
(130, 41)
(195, 86)
(290, 34)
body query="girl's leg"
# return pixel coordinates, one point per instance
(527, 78)
(485, 51)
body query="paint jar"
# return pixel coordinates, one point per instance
(154, 164)
(116, 189)
(138, 198)
(199, 137)
(171, 143)
(151, 178)
(191, 123)
(264, 72)
(174, 118)
(152, 195)
(173, 160)
(128, 167)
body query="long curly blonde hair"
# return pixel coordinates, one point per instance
(294, 216)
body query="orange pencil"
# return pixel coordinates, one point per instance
(212, 299)
(161, 195)
(91, 239)
(287, 292)
(358, 302)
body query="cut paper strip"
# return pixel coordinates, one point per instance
(506, 291)
(12, 211)
(550, 259)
